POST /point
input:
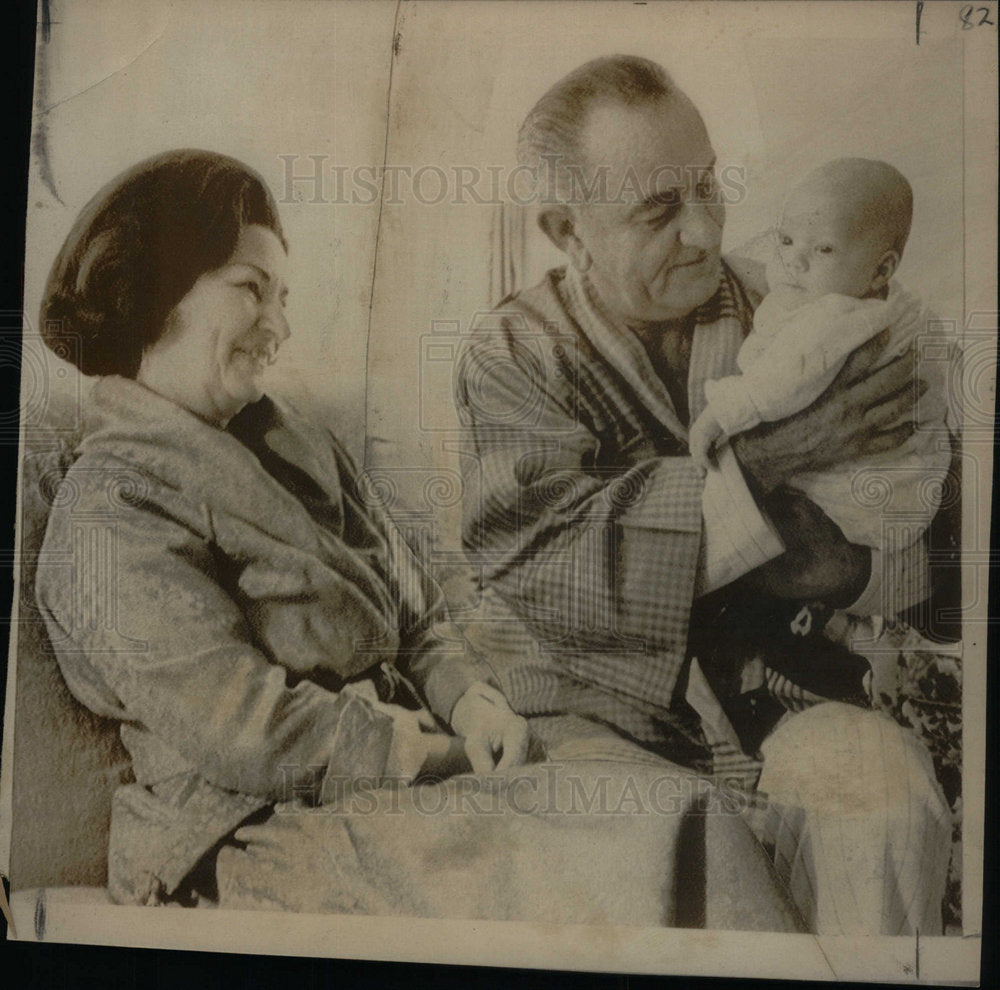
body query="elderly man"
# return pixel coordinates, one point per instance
(652, 590)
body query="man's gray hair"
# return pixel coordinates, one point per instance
(550, 139)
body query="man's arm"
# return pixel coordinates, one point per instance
(603, 567)
(601, 564)
(860, 415)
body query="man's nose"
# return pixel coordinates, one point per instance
(699, 227)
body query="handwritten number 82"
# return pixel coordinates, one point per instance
(968, 17)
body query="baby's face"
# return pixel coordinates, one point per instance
(822, 248)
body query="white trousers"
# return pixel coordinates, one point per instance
(860, 830)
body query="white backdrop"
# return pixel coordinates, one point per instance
(264, 78)
(123, 79)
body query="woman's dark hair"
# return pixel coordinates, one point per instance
(139, 246)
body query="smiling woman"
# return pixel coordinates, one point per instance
(224, 334)
(141, 245)
(250, 584)
(282, 668)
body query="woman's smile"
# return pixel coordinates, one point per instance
(260, 355)
(225, 333)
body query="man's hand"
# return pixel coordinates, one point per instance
(859, 415)
(495, 737)
(819, 564)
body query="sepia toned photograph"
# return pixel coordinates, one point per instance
(506, 483)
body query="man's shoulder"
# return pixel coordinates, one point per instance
(537, 305)
(529, 334)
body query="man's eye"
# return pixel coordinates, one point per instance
(824, 249)
(666, 207)
(662, 218)
(253, 288)
(706, 188)
(784, 240)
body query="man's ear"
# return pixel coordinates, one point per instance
(885, 269)
(559, 225)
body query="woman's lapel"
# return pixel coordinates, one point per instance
(208, 465)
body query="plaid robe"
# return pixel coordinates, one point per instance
(583, 514)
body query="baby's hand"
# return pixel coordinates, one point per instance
(702, 436)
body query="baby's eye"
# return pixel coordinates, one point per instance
(253, 288)
(824, 249)
(784, 240)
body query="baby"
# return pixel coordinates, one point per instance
(840, 240)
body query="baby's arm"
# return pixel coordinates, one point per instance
(798, 364)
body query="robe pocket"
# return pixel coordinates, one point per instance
(656, 569)
(668, 498)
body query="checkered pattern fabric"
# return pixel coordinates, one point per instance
(582, 511)
(583, 515)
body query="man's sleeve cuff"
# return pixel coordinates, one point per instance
(898, 581)
(870, 601)
(738, 537)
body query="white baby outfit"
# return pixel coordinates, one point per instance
(791, 357)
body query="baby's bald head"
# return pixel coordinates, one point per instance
(843, 230)
(874, 197)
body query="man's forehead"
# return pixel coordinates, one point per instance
(645, 138)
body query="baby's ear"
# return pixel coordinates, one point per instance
(885, 269)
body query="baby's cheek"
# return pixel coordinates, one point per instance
(774, 270)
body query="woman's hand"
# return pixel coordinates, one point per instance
(414, 738)
(496, 738)
(489, 736)
(420, 750)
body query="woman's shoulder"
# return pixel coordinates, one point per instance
(102, 487)
(93, 474)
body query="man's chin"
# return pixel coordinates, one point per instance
(688, 288)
